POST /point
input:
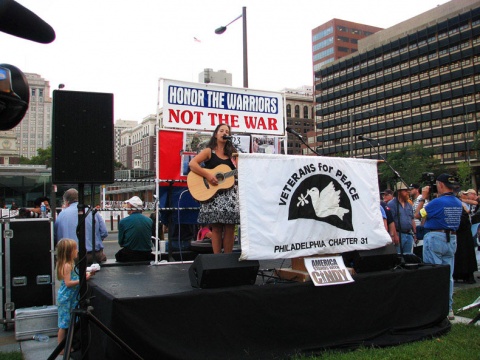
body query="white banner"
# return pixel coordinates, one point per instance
(196, 106)
(292, 206)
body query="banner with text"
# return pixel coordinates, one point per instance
(293, 206)
(196, 106)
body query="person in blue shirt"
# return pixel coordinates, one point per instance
(441, 218)
(67, 223)
(135, 234)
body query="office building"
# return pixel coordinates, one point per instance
(417, 82)
(137, 145)
(34, 131)
(300, 114)
(118, 127)
(208, 76)
(337, 38)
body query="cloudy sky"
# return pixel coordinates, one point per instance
(125, 47)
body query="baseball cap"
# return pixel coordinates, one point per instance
(449, 180)
(414, 186)
(470, 191)
(388, 192)
(135, 202)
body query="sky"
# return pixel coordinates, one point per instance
(125, 47)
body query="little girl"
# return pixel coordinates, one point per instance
(67, 298)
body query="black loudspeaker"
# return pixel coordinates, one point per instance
(82, 138)
(222, 270)
(379, 259)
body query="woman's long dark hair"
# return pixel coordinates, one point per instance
(229, 148)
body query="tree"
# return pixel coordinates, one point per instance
(117, 165)
(464, 173)
(410, 162)
(44, 157)
(476, 143)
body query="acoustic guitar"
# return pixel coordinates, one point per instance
(202, 190)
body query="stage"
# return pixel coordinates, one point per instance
(157, 312)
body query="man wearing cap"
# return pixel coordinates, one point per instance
(405, 225)
(441, 218)
(67, 222)
(387, 195)
(134, 234)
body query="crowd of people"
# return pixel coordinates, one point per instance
(446, 220)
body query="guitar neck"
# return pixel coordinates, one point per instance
(230, 173)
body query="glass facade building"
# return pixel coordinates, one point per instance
(417, 82)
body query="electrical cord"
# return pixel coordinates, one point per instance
(179, 224)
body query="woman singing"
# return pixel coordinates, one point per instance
(222, 210)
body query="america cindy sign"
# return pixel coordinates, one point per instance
(195, 106)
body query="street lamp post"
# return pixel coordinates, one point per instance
(351, 135)
(222, 29)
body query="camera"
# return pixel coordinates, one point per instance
(429, 179)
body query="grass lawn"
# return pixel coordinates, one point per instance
(462, 342)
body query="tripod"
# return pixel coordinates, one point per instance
(475, 304)
(83, 311)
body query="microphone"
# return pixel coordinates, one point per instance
(291, 131)
(18, 21)
(227, 137)
(361, 137)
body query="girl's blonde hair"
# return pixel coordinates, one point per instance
(65, 255)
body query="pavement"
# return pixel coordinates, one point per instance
(34, 350)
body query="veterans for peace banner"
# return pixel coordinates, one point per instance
(195, 106)
(292, 206)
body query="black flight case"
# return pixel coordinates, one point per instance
(27, 264)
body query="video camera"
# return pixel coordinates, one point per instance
(429, 179)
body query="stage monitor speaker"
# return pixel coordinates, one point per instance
(222, 270)
(384, 258)
(82, 138)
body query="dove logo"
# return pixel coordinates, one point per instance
(322, 198)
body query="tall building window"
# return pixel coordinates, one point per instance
(289, 110)
(305, 112)
(33, 92)
(297, 111)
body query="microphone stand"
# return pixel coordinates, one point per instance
(397, 177)
(304, 143)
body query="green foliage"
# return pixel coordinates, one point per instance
(342, 154)
(117, 165)
(13, 355)
(410, 162)
(44, 157)
(464, 173)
